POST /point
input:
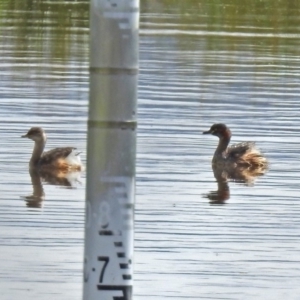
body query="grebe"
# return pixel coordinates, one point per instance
(242, 155)
(64, 159)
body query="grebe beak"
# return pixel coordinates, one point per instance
(206, 132)
(24, 136)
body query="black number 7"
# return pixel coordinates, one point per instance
(106, 260)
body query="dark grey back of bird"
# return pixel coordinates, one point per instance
(55, 154)
(238, 150)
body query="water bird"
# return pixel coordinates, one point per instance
(65, 159)
(239, 156)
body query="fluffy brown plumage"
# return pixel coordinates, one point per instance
(64, 159)
(242, 155)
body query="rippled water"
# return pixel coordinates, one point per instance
(196, 69)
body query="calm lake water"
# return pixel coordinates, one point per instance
(200, 63)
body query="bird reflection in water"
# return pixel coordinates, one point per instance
(246, 176)
(40, 177)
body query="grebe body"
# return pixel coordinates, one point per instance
(241, 155)
(64, 159)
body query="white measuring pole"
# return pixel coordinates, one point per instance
(111, 150)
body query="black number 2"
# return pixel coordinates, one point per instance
(106, 260)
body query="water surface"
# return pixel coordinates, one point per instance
(200, 64)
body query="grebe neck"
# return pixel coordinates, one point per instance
(38, 150)
(222, 146)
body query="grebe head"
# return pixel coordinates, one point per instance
(36, 134)
(220, 130)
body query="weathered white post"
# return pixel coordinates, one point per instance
(111, 150)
